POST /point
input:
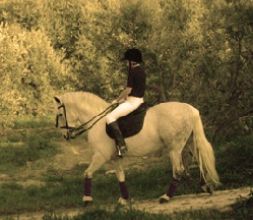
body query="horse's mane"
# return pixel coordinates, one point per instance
(84, 100)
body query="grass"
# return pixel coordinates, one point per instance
(63, 189)
(234, 160)
(30, 147)
(25, 144)
(27, 122)
(132, 214)
(244, 209)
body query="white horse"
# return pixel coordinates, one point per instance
(167, 127)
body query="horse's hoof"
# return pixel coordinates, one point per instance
(87, 200)
(208, 189)
(164, 199)
(122, 202)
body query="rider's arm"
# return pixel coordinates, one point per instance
(123, 95)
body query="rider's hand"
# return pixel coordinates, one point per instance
(115, 101)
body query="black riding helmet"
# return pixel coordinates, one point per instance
(133, 54)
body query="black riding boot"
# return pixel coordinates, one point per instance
(120, 142)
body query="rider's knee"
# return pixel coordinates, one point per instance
(109, 118)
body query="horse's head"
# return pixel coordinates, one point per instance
(75, 110)
(64, 119)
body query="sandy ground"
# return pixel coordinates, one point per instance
(220, 200)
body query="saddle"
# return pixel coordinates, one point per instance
(132, 123)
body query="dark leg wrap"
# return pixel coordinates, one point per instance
(123, 190)
(87, 186)
(172, 188)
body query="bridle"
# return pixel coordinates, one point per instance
(72, 132)
(66, 126)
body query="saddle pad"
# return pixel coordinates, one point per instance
(132, 123)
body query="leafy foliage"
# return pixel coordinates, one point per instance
(30, 73)
(196, 53)
(26, 13)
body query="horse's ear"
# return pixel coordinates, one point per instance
(57, 99)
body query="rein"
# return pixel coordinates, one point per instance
(73, 132)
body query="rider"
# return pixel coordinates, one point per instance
(130, 98)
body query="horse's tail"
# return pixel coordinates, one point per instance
(204, 151)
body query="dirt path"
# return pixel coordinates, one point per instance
(220, 200)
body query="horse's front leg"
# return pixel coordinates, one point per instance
(124, 195)
(97, 161)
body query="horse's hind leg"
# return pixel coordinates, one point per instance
(178, 171)
(97, 161)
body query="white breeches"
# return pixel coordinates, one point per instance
(124, 108)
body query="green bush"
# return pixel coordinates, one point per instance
(28, 59)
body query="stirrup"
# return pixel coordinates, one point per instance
(121, 150)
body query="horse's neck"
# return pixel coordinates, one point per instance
(86, 105)
(90, 110)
